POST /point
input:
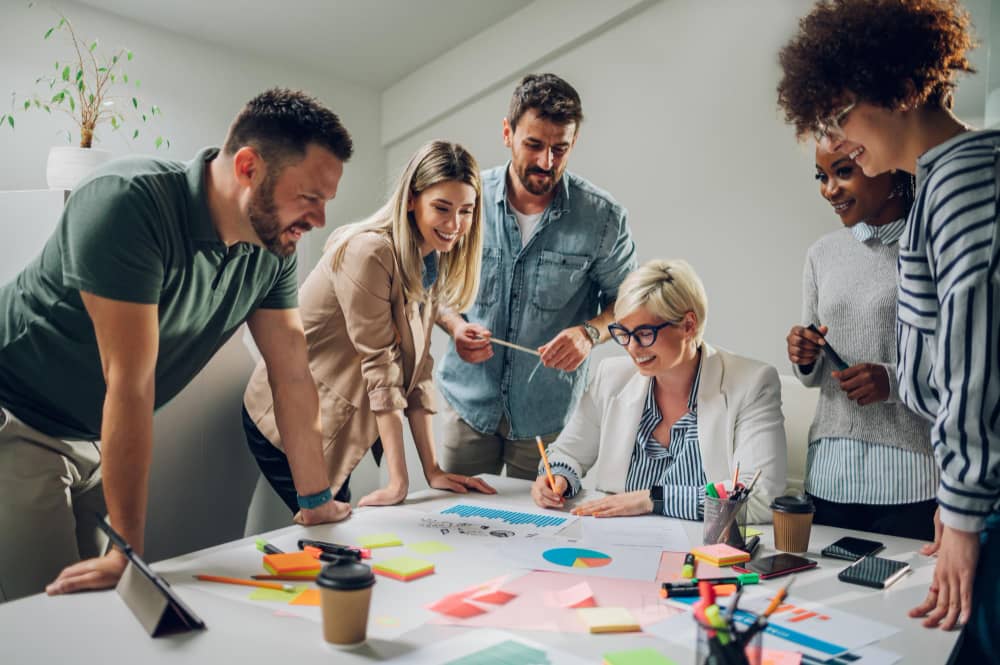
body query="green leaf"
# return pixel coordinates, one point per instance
(128, 54)
(135, 103)
(10, 121)
(80, 85)
(65, 73)
(57, 67)
(93, 46)
(102, 69)
(58, 97)
(48, 33)
(112, 78)
(158, 142)
(79, 74)
(155, 109)
(27, 104)
(62, 22)
(90, 98)
(144, 117)
(135, 134)
(47, 108)
(125, 77)
(114, 60)
(114, 122)
(138, 83)
(72, 104)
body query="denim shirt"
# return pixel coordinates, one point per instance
(569, 270)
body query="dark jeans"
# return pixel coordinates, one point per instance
(906, 520)
(274, 465)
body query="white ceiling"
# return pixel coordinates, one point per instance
(372, 42)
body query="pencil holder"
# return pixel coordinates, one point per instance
(716, 646)
(725, 521)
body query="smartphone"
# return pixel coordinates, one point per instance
(777, 565)
(852, 549)
(831, 355)
(874, 571)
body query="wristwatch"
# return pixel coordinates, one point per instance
(592, 332)
(656, 496)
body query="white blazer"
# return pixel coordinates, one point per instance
(739, 421)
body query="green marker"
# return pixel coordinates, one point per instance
(267, 548)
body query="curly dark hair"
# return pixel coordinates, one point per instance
(280, 124)
(873, 51)
(551, 97)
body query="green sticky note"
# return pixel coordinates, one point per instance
(276, 596)
(637, 657)
(430, 547)
(750, 532)
(403, 568)
(373, 540)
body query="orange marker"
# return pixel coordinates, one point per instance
(778, 597)
(242, 582)
(545, 459)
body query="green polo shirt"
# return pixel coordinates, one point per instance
(137, 230)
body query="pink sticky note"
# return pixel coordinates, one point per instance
(455, 606)
(578, 595)
(772, 657)
(495, 597)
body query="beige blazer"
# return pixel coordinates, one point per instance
(369, 351)
(739, 420)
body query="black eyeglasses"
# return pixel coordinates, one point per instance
(645, 335)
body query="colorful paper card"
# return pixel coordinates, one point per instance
(307, 597)
(455, 606)
(637, 657)
(720, 554)
(578, 595)
(494, 597)
(403, 568)
(276, 595)
(374, 540)
(430, 547)
(298, 564)
(608, 620)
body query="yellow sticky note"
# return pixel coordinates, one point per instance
(608, 620)
(403, 568)
(276, 595)
(374, 540)
(750, 532)
(430, 547)
(307, 597)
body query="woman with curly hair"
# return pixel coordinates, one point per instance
(875, 79)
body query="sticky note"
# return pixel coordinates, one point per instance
(374, 540)
(430, 547)
(307, 597)
(494, 597)
(720, 554)
(636, 657)
(608, 620)
(403, 568)
(277, 596)
(750, 532)
(579, 595)
(298, 564)
(772, 657)
(455, 606)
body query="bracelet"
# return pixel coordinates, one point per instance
(316, 500)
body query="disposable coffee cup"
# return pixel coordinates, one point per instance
(793, 516)
(345, 591)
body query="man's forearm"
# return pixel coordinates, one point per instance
(296, 411)
(603, 320)
(126, 455)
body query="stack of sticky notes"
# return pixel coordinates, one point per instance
(637, 657)
(293, 564)
(374, 540)
(403, 568)
(720, 554)
(608, 620)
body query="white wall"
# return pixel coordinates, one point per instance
(203, 474)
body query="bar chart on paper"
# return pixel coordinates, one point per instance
(510, 517)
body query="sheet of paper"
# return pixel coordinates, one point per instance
(583, 558)
(487, 647)
(528, 610)
(640, 531)
(511, 519)
(637, 657)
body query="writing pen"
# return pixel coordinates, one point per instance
(346, 551)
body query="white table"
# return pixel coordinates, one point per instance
(98, 627)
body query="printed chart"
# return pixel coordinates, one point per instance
(508, 652)
(575, 557)
(511, 517)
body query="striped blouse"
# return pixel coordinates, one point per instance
(846, 470)
(677, 468)
(948, 333)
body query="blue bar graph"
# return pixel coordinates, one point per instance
(508, 516)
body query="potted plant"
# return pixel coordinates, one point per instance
(93, 88)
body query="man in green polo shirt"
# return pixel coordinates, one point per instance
(153, 266)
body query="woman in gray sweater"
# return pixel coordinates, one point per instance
(869, 466)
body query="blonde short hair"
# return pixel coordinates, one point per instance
(668, 289)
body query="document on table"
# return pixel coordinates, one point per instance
(487, 647)
(663, 533)
(582, 557)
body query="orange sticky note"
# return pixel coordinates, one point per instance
(292, 563)
(307, 597)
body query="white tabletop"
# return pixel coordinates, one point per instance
(98, 627)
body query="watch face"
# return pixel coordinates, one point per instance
(594, 333)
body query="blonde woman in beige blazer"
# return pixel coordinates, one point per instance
(368, 308)
(677, 413)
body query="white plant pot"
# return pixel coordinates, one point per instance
(68, 165)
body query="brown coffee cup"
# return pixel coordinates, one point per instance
(793, 516)
(345, 591)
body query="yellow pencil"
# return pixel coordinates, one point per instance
(242, 582)
(545, 459)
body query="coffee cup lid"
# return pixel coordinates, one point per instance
(345, 575)
(797, 503)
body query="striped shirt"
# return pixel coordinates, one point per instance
(677, 468)
(948, 336)
(846, 470)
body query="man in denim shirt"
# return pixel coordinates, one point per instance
(555, 249)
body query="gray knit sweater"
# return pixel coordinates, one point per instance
(850, 287)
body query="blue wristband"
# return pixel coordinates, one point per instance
(316, 500)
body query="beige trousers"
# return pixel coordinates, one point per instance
(468, 452)
(50, 496)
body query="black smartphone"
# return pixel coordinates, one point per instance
(852, 549)
(831, 355)
(777, 565)
(874, 571)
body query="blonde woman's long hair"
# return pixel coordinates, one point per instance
(458, 270)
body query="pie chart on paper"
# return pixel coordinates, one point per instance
(575, 557)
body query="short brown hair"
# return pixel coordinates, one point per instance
(551, 97)
(280, 124)
(873, 50)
